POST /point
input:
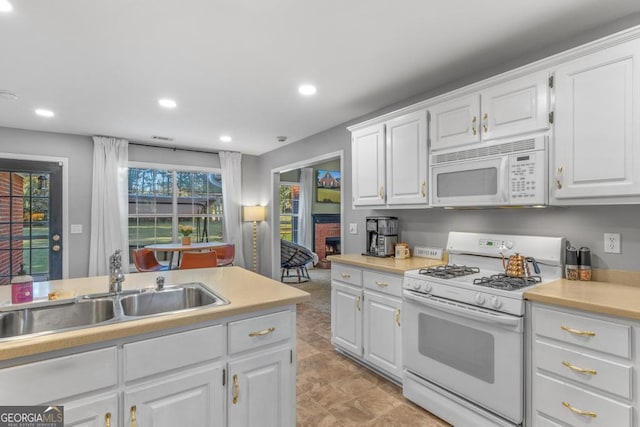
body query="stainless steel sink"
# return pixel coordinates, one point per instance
(169, 299)
(41, 319)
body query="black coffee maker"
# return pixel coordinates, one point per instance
(382, 235)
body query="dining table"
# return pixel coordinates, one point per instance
(178, 248)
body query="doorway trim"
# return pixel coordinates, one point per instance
(64, 162)
(275, 205)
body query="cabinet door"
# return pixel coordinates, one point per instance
(192, 398)
(346, 317)
(516, 107)
(455, 123)
(261, 390)
(406, 146)
(383, 333)
(367, 151)
(98, 411)
(597, 143)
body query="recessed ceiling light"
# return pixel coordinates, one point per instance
(44, 113)
(5, 6)
(307, 89)
(225, 138)
(167, 103)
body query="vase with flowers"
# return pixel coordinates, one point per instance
(186, 231)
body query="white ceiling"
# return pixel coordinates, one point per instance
(234, 66)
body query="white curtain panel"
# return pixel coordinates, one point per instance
(109, 204)
(230, 163)
(304, 208)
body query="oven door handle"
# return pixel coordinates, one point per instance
(468, 312)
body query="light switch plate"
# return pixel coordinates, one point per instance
(76, 228)
(353, 228)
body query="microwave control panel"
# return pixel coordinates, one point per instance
(527, 178)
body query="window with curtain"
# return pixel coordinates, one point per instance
(161, 200)
(289, 205)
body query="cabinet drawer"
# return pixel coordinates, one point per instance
(346, 274)
(541, 421)
(54, 379)
(386, 283)
(603, 374)
(594, 334)
(258, 331)
(551, 395)
(158, 355)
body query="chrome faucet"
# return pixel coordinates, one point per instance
(116, 276)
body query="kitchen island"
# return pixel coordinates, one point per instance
(231, 364)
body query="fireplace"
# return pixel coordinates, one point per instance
(326, 236)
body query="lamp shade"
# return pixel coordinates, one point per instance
(254, 213)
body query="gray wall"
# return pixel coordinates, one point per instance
(582, 226)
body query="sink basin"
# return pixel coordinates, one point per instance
(173, 298)
(56, 317)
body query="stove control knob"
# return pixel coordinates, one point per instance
(416, 285)
(495, 302)
(480, 299)
(427, 287)
(509, 244)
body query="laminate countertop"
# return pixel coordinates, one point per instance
(605, 297)
(389, 264)
(247, 292)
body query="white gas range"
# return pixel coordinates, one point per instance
(463, 346)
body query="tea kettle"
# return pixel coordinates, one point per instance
(518, 265)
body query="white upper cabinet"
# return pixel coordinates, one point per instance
(597, 133)
(455, 122)
(367, 151)
(407, 159)
(518, 106)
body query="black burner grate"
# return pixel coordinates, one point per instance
(449, 271)
(504, 282)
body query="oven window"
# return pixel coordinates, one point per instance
(460, 347)
(476, 182)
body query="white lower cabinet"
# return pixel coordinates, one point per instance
(583, 369)
(366, 312)
(186, 378)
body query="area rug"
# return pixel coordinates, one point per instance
(319, 287)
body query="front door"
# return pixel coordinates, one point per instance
(30, 219)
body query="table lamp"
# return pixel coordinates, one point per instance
(254, 214)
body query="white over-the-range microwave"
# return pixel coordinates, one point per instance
(505, 173)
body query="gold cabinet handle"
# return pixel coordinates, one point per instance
(236, 389)
(382, 284)
(382, 192)
(132, 414)
(579, 369)
(485, 124)
(398, 317)
(345, 275)
(423, 189)
(262, 332)
(559, 178)
(358, 303)
(579, 411)
(473, 125)
(107, 419)
(578, 332)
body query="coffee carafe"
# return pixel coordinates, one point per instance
(382, 235)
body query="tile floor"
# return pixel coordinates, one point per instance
(332, 390)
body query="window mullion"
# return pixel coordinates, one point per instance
(174, 207)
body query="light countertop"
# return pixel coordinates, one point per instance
(390, 264)
(605, 297)
(247, 292)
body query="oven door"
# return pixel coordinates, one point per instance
(472, 352)
(473, 183)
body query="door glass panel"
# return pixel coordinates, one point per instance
(476, 182)
(472, 351)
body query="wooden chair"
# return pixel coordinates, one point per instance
(198, 260)
(145, 260)
(226, 254)
(294, 257)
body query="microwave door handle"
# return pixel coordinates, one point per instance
(453, 308)
(504, 172)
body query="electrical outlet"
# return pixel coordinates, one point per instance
(612, 243)
(427, 252)
(353, 228)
